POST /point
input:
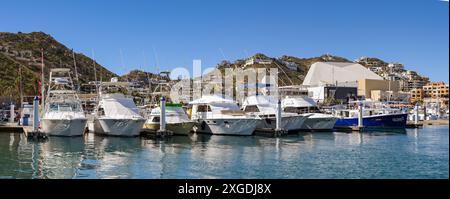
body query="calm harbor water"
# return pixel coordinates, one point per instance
(422, 153)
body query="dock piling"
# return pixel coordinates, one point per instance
(278, 130)
(360, 115)
(278, 117)
(416, 114)
(162, 124)
(11, 113)
(36, 114)
(163, 132)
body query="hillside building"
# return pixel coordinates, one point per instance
(417, 95)
(253, 60)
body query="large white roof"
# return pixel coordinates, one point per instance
(331, 72)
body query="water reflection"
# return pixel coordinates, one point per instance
(58, 157)
(114, 156)
(302, 155)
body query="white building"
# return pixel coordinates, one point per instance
(290, 65)
(376, 69)
(115, 79)
(323, 73)
(252, 61)
(396, 67)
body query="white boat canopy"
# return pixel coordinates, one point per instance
(265, 104)
(212, 99)
(119, 106)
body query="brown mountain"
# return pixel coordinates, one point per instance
(21, 52)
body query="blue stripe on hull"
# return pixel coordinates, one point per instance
(379, 121)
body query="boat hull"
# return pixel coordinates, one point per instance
(289, 123)
(227, 126)
(319, 122)
(118, 127)
(177, 128)
(64, 127)
(375, 121)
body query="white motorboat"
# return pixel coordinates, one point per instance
(220, 116)
(177, 120)
(117, 115)
(63, 114)
(265, 107)
(305, 106)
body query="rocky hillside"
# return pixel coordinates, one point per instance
(22, 51)
(292, 70)
(139, 75)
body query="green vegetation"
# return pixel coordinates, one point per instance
(56, 55)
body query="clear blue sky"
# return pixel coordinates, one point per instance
(415, 33)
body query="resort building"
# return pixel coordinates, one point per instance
(383, 96)
(436, 90)
(396, 67)
(417, 95)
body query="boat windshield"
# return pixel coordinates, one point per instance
(301, 110)
(65, 107)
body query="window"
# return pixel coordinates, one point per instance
(204, 108)
(101, 111)
(155, 119)
(252, 108)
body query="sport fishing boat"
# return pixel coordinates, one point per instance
(220, 116)
(63, 114)
(372, 116)
(265, 107)
(177, 120)
(302, 105)
(117, 115)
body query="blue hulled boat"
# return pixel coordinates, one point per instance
(373, 117)
(396, 120)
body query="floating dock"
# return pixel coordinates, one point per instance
(26, 130)
(420, 124)
(11, 128)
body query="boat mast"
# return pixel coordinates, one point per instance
(96, 86)
(42, 78)
(122, 62)
(76, 72)
(20, 85)
(389, 79)
(95, 71)
(148, 77)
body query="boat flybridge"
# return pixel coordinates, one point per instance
(221, 116)
(304, 105)
(295, 100)
(63, 114)
(265, 107)
(177, 120)
(116, 114)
